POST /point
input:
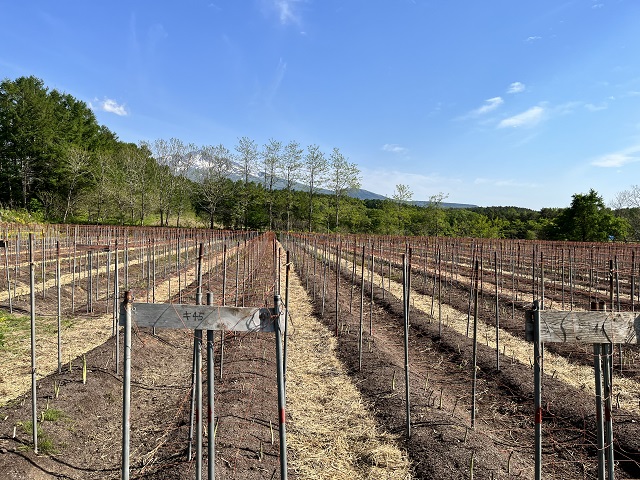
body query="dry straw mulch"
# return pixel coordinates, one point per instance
(331, 434)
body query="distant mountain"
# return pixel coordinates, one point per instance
(236, 173)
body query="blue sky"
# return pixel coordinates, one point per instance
(499, 102)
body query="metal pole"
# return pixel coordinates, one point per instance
(198, 343)
(361, 311)
(537, 390)
(6, 267)
(34, 407)
(286, 309)
(475, 348)
(59, 310)
(405, 298)
(281, 393)
(126, 386)
(495, 269)
(597, 366)
(607, 360)
(224, 302)
(211, 445)
(116, 291)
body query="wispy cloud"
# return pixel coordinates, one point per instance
(528, 118)
(516, 87)
(533, 38)
(111, 106)
(498, 182)
(596, 108)
(618, 159)
(489, 105)
(281, 69)
(394, 148)
(287, 11)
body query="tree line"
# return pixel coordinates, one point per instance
(59, 164)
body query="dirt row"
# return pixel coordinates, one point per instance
(80, 427)
(441, 367)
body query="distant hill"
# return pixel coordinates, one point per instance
(235, 174)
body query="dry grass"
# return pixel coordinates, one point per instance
(80, 336)
(331, 433)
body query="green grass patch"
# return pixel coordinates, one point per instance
(15, 328)
(45, 443)
(51, 415)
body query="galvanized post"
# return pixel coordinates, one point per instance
(537, 391)
(405, 299)
(126, 386)
(361, 311)
(607, 360)
(597, 366)
(198, 366)
(475, 348)
(495, 269)
(286, 309)
(116, 291)
(59, 309)
(34, 407)
(224, 302)
(281, 392)
(6, 267)
(211, 445)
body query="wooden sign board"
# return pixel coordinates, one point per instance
(584, 327)
(202, 317)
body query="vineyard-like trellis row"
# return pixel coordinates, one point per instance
(516, 288)
(161, 251)
(225, 251)
(385, 254)
(580, 270)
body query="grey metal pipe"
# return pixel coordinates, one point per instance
(281, 392)
(597, 366)
(59, 309)
(32, 295)
(198, 343)
(211, 446)
(126, 387)
(607, 360)
(405, 298)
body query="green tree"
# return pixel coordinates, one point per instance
(588, 220)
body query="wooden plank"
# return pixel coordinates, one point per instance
(584, 327)
(201, 317)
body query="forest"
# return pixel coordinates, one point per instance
(57, 164)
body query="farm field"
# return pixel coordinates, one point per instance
(346, 411)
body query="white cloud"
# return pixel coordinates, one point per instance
(489, 105)
(112, 106)
(533, 38)
(528, 118)
(109, 105)
(516, 87)
(394, 148)
(618, 159)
